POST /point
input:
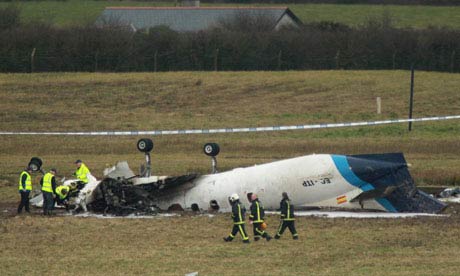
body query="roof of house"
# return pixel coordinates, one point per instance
(185, 18)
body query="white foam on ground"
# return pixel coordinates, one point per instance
(450, 199)
(322, 214)
(131, 216)
(340, 214)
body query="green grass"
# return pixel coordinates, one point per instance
(180, 245)
(403, 16)
(174, 246)
(153, 101)
(76, 12)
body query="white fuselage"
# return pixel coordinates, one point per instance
(312, 180)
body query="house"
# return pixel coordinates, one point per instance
(185, 19)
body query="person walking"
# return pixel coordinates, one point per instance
(238, 212)
(257, 218)
(287, 218)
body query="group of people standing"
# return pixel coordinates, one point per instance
(52, 193)
(257, 218)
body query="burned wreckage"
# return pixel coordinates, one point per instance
(370, 182)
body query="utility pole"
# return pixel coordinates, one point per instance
(411, 100)
(216, 56)
(155, 61)
(32, 60)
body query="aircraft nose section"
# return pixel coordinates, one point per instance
(381, 170)
(387, 176)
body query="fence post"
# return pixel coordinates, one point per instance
(379, 105)
(96, 61)
(411, 99)
(279, 60)
(337, 59)
(394, 60)
(155, 60)
(216, 56)
(32, 60)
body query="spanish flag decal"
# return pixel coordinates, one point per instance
(341, 199)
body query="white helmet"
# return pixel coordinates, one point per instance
(234, 197)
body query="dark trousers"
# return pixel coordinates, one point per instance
(80, 185)
(258, 232)
(239, 228)
(24, 202)
(48, 203)
(287, 224)
(63, 201)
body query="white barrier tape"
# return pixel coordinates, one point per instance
(231, 130)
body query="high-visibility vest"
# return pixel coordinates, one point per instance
(62, 188)
(28, 181)
(82, 172)
(47, 186)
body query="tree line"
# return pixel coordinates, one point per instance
(241, 44)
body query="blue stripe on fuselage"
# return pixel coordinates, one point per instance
(343, 167)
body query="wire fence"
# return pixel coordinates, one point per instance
(217, 60)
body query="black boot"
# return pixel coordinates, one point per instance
(268, 238)
(295, 237)
(228, 239)
(256, 238)
(277, 237)
(246, 241)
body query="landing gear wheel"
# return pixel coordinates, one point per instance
(35, 164)
(211, 149)
(145, 145)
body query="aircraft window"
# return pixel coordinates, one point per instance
(214, 205)
(175, 207)
(195, 207)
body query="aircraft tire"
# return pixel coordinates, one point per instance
(145, 145)
(35, 164)
(211, 149)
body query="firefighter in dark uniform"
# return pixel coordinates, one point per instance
(48, 184)
(287, 218)
(257, 218)
(25, 187)
(238, 212)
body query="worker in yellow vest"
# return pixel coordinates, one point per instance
(62, 195)
(25, 187)
(82, 174)
(48, 183)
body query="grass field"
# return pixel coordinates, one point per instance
(76, 12)
(177, 245)
(148, 101)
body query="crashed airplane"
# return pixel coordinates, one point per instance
(370, 181)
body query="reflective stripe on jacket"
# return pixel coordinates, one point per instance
(287, 210)
(238, 212)
(257, 212)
